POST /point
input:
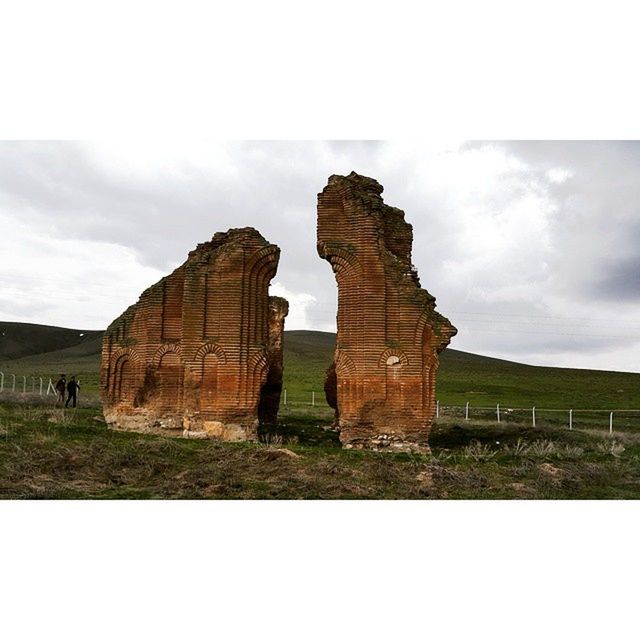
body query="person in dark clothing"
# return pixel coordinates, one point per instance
(72, 391)
(61, 387)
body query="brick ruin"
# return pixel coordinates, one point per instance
(200, 353)
(382, 381)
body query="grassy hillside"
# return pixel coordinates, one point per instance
(463, 377)
(49, 452)
(21, 339)
(481, 381)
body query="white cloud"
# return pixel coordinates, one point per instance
(299, 304)
(502, 231)
(64, 282)
(558, 175)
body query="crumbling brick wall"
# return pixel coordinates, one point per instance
(193, 354)
(272, 388)
(382, 381)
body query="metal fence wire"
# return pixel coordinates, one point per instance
(499, 413)
(34, 385)
(535, 416)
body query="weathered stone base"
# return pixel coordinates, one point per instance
(387, 442)
(363, 434)
(216, 430)
(180, 426)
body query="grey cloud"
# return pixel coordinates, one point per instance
(586, 266)
(20, 309)
(597, 234)
(621, 281)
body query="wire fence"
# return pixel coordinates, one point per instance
(536, 416)
(541, 416)
(28, 385)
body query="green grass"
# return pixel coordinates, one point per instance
(465, 377)
(43, 351)
(46, 452)
(462, 377)
(481, 381)
(56, 454)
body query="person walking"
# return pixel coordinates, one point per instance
(61, 387)
(72, 391)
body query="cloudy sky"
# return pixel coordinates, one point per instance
(531, 248)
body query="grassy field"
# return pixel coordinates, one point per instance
(462, 377)
(43, 351)
(53, 453)
(479, 380)
(47, 452)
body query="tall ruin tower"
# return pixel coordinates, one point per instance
(382, 382)
(200, 353)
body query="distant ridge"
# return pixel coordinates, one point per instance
(34, 349)
(21, 339)
(317, 343)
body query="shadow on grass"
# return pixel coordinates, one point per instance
(302, 429)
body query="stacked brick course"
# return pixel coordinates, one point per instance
(201, 351)
(382, 382)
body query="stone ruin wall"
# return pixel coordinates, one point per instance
(272, 388)
(200, 354)
(382, 381)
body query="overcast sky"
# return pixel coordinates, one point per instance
(531, 248)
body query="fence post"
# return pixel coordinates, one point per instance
(533, 415)
(466, 412)
(437, 409)
(1, 382)
(313, 398)
(498, 412)
(24, 384)
(40, 386)
(285, 397)
(611, 422)
(13, 388)
(570, 419)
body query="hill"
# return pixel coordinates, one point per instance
(29, 349)
(480, 380)
(21, 339)
(56, 453)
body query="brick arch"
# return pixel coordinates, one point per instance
(163, 350)
(211, 347)
(258, 363)
(209, 358)
(125, 351)
(343, 261)
(169, 371)
(421, 324)
(388, 353)
(344, 364)
(257, 371)
(260, 269)
(126, 365)
(264, 257)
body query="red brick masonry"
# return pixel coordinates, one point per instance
(382, 381)
(200, 354)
